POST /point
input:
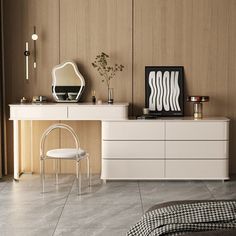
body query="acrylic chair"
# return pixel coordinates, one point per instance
(76, 154)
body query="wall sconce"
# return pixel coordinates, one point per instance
(27, 54)
(34, 37)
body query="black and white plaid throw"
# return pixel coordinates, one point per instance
(189, 217)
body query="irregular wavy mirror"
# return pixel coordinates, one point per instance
(68, 83)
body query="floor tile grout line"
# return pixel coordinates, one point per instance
(69, 192)
(140, 195)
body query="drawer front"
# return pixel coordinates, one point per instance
(194, 130)
(96, 112)
(197, 149)
(130, 169)
(133, 130)
(133, 149)
(197, 169)
(39, 112)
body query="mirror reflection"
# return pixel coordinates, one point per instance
(68, 83)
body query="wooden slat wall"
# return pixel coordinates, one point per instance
(19, 18)
(198, 34)
(89, 27)
(191, 33)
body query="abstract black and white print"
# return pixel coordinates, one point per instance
(164, 90)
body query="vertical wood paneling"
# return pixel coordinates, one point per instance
(189, 33)
(198, 34)
(89, 27)
(19, 19)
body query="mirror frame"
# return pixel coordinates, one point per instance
(60, 66)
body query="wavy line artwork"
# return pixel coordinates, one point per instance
(165, 91)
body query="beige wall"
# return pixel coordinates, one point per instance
(198, 34)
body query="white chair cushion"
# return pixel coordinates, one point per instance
(66, 153)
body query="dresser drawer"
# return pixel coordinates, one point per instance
(196, 149)
(196, 130)
(98, 112)
(197, 169)
(133, 130)
(38, 112)
(133, 149)
(130, 169)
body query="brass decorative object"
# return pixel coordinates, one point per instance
(197, 105)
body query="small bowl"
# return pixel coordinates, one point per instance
(61, 96)
(72, 96)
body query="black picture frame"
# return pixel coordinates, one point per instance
(164, 90)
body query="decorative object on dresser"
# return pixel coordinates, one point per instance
(68, 83)
(39, 99)
(107, 72)
(197, 105)
(180, 148)
(93, 97)
(164, 90)
(146, 115)
(23, 100)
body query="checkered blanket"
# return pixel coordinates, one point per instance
(189, 217)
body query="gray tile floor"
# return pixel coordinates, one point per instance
(102, 210)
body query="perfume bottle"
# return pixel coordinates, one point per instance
(93, 97)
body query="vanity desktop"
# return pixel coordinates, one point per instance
(165, 148)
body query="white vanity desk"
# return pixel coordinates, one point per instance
(61, 111)
(166, 148)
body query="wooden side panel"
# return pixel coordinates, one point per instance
(26, 146)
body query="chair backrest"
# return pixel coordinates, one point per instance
(50, 129)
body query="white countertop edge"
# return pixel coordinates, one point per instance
(69, 104)
(176, 119)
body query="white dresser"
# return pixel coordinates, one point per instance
(165, 149)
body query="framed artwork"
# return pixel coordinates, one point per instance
(164, 90)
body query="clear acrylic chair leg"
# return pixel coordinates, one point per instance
(78, 177)
(57, 170)
(42, 173)
(88, 170)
